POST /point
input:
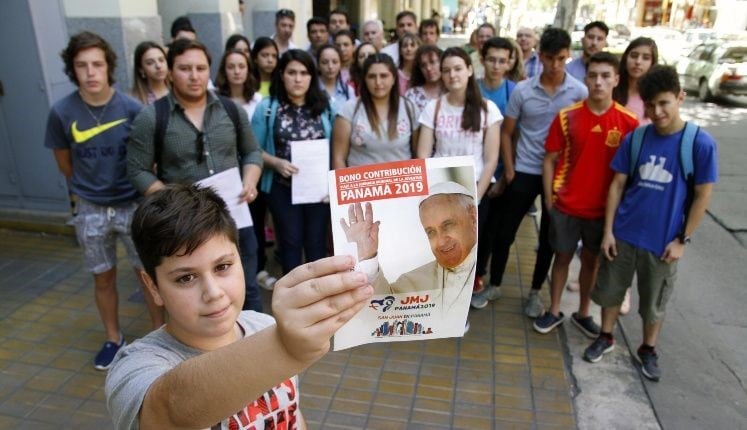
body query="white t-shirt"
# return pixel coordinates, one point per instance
(249, 107)
(368, 148)
(450, 139)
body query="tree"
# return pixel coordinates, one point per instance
(565, 14)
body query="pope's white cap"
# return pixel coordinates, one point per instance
(448, 187)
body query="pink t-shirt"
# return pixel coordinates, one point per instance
(635, 104)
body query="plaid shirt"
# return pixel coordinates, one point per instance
(532, 65)
(180, 161)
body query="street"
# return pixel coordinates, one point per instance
(703, 345)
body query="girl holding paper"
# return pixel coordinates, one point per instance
(380, 126)
(297, 110)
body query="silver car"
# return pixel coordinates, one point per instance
(715, 69)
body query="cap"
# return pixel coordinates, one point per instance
(448, 187)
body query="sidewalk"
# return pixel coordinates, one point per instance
(500, 375)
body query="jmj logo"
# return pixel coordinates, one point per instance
(384, 303)
(414, 300)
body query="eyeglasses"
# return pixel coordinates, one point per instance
(200, 142)
(286, 13)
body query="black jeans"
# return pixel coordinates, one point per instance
(504, 217)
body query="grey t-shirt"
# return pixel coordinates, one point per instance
(368, 148)
(534, 109)
(138, 365)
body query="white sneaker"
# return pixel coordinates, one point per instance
(534, 306)
(493, 292)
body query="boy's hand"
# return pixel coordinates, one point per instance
(609, 246)
(673, 251)
(313, 301)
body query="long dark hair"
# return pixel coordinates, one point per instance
(234, 39)
(139, 81)
(473, 103)
(356, 71)
(221, 80)
(367, 101)
(316, 98)
(620, 93)
(260, 44)
(411, 37)
(417, 79)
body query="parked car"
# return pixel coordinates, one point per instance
(715, 69)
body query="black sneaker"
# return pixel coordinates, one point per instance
(105, 357)
(587, 325)
(547, 322)
(650, 364)
(596, 350)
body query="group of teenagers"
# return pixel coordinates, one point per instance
(626, 204)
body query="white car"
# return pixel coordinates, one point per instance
(715, 69)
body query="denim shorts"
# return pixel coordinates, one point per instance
(97, 228)
(655, 281)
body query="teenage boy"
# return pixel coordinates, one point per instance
(594, 40)
(495, 57)
(285, 22)
(531, 108)
(648, 220)
(407, 22)
(581, 142)
(318, 34)
(212, 365)
(87, 130)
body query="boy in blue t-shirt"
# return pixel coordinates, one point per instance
(648, 222)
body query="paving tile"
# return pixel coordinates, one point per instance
(434, 393)
(348, 420)
(471, 422)
(375, 423)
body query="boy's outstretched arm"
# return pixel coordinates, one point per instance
(310, 304)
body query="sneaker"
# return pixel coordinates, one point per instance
(478, 300)
(650, 364)
(625, 306)
(586, 325)
(532, 210)
(534, 306)
(547, 322)
(493, 292)
(265, 280)
(596, 350)
(105, 357)
(573, 286)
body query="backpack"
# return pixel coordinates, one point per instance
(163, 106)
(687, 167)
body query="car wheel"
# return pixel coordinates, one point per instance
(704, 93)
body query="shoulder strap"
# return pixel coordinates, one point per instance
(233, 112)
(435, 115)
(686, 149)
(636, 142)
(162, 121)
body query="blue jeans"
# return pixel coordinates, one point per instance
(248, 251)
(299, 229)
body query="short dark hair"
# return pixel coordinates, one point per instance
(234, 39)
(604, 58)
(554, 40)
(405, 13)
(284, 13)
(315, 20)
(316, 98)
(181, 23)
(87, 40)
(339, 12)
(659, 79)
(497, 43)
(487, 25)
(344, 32)
(428, 23)
(597, 24)
(178, 219)
(182, 45)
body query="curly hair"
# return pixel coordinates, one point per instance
(87, 40)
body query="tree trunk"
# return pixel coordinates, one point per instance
(565, 16)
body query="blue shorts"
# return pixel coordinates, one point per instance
(97, 228)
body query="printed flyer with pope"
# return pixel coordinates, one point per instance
(412, 225)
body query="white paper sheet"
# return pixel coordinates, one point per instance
(310, 184)
(228, 185)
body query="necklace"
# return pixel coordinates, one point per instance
(101, 115)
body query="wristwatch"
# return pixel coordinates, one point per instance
(683, 238)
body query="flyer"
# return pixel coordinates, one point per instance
(228, 185)
(412, 225)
